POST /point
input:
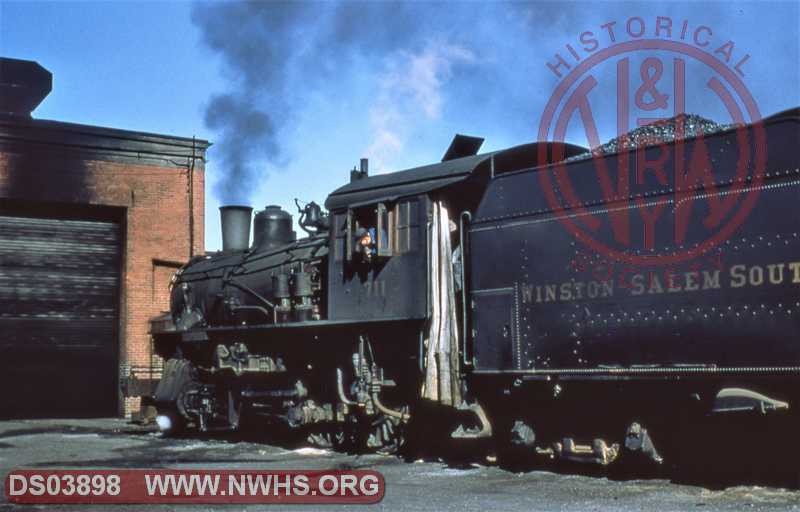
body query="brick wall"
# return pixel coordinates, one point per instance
(154, 196)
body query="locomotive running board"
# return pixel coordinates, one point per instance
(639, 372)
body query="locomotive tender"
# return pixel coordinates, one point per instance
(457, 284)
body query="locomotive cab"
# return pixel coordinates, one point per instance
(378, 269)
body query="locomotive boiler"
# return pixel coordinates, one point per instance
(461, 295)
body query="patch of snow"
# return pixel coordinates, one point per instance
(311, 451)
(200, 445)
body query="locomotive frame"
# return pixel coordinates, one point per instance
(353, 345)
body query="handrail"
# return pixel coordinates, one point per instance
(464, 305)
(251, 292)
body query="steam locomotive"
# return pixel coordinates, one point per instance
(456, 295)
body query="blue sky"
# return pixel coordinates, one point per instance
(335, 82)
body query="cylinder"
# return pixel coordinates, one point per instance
(303, 312)
(280, 286)
(283, 314)
(301, 285)
(235, 221)
(272, 228)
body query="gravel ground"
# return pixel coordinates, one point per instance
(431, 486)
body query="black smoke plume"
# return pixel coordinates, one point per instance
(274, 53)
(277, 55)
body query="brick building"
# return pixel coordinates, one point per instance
(93, 223)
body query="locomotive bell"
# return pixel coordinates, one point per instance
(235, 222)
(272, 228)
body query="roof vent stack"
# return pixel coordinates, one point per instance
(357, 174)
(23, 86)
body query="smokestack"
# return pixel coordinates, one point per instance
(235, 222)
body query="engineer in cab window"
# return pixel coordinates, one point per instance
(366, 243)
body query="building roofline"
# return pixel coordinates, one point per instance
(49, 124)
(104, 143)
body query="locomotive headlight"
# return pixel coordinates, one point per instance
(164, 423)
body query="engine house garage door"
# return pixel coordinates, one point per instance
(59, 317)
